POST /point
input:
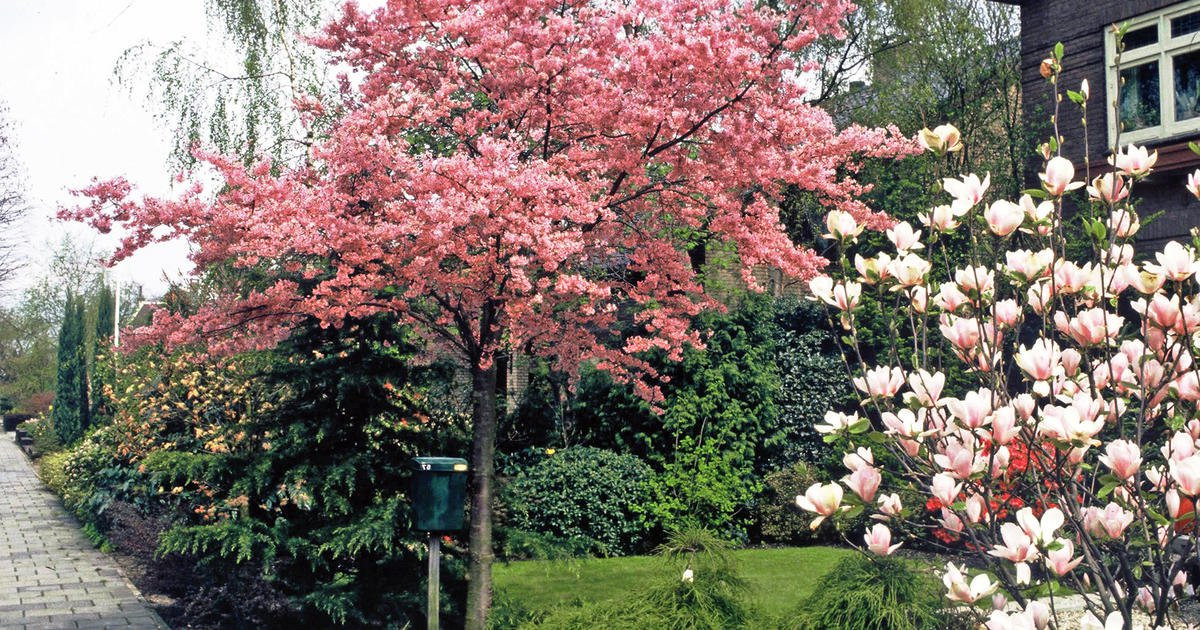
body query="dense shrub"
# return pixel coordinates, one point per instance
(863, 593)
(45, 438)
(812, 382)
(269, 489)
(777, 518)
(704, 487)
(582, 493)
(50, 469)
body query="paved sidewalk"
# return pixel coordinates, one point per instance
(50, 574)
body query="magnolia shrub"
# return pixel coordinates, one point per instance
(1047, 407)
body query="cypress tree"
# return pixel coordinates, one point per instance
(70, 395)
(102, 355)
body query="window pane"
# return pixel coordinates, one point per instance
(1185, 24)
(1139, 96)
(1187, 85)
(1139, 37)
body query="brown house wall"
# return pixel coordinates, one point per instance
(1080, 25)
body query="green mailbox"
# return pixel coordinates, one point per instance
(439, 493)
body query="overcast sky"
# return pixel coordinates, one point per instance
(73, 122)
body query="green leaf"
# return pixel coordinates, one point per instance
(1058, 51)
(1075, 97)
(1036, 193)
(1195, 147)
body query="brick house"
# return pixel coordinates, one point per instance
(1159, 104)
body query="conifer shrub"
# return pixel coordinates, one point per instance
(863, 593)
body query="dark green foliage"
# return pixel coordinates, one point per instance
(867, 593)
(70, 414)
(719, 432)
(321, 511)
(582, 494)
(813, 381)
(777, 519)
(720, 423)
(102, 355)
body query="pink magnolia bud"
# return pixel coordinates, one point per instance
(1123, 223)
(879, 540)
(1058, 175)
(823, 499)
(944, 488)
(1193, 183)
(1187, 474)
(1123, 457)
(1172, 499)
(1039, 612)
(1003, 217)
(864, 482)
(1108, 188)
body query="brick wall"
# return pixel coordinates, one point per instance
(1080, 25)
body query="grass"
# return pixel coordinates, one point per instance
(778, 578)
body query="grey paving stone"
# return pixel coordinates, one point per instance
(50, 575)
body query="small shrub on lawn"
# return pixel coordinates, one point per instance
(700, 590)
(864, 593)
(582, 493)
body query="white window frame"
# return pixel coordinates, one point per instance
(1163, 52)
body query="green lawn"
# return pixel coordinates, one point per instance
(778, 578)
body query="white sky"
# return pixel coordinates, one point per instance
(72, 122)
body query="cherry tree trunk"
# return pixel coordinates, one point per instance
(483, 453)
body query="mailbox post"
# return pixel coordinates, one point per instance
(439, 491)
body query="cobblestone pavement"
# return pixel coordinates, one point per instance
(50, 574)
